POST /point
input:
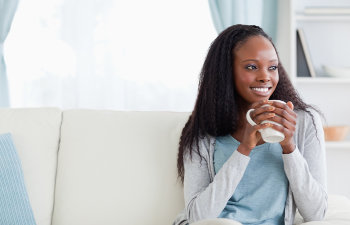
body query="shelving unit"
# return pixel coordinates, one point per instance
(327, 37)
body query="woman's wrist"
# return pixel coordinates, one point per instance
(244, 149)
(288, 148)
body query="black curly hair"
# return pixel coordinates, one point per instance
(218, 105)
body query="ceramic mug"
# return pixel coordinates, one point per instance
(268, 134)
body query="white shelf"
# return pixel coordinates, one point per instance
(338, 144)
(318, 18)
(322, 80)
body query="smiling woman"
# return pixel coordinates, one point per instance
(228, 170)
(125, 55)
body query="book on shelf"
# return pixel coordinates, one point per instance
(304, 63)
(327, 10)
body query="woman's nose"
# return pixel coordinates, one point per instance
(263, 77)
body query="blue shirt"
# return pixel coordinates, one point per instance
(261, 195)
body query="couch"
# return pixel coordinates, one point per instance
(101, 167)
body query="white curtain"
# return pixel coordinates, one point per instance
(258, 12)
(108, 54)
(7, 12)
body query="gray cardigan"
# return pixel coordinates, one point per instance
(206, 194)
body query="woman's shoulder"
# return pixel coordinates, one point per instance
(205, 143)
(203, 147)
(308, 113)
(206, 139)
(308, 118)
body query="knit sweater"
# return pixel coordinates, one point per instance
(206, 194)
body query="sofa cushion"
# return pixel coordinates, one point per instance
(14, 204)
(35, 133)
(118, 168)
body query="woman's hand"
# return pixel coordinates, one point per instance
(251, 136)
(287, 118)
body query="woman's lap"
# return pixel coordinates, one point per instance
(216, 222)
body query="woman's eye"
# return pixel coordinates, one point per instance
(273, 68)
(251, 67)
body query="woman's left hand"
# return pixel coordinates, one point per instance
(287, 118)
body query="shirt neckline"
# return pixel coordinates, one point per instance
(256, 147)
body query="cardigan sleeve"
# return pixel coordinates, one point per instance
(205, 199)
(305, 169)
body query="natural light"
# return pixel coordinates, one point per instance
(124, 55)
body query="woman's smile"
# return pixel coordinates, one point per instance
(261, 91)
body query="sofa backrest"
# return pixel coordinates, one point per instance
(35, 133)
(118, 168)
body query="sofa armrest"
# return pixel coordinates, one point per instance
(338, 212)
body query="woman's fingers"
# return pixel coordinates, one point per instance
(282, 116)
(289, 124)
(259, 104)
(275, 111)
(260, 111)
(280, 107)
(278, 112)
(262, 126)
(288, 132)
(290, 104)
(264, 116)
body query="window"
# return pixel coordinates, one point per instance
(108, 54)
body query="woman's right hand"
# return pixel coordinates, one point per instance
(251, 136)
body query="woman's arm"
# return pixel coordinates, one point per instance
(307, 172)
(205, 199)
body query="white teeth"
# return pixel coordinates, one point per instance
(261, 89)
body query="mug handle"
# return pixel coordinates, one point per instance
(249, 119)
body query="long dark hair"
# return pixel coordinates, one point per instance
(217, 107)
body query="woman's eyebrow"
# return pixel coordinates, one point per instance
(272, 60)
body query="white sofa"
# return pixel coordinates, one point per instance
(99, 167)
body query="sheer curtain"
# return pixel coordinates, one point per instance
(108, 54)
(259, 12)
(7, 11)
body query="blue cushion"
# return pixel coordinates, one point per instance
(15, 207)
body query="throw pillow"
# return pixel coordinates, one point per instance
(15, 207)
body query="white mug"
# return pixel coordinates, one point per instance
(268, 134)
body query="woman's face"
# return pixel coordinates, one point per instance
(255, 69)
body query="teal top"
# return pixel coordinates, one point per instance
(260, 196)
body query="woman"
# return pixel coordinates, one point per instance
(227, 169)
